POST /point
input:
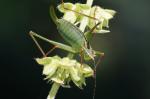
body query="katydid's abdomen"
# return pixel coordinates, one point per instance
(71, 34)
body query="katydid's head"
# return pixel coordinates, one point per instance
(89, 54)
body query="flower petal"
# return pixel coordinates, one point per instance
(66, 5)
(74, 74)
(50, 69)
(43, 61)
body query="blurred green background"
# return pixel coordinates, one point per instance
(123, 74)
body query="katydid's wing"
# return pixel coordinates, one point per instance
(59, 45)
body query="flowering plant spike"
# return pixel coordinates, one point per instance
(77, 26)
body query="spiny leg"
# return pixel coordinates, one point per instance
(90, 34)
(37, 44)
(51, 50)
(79, 12)
(59, 45)
(91, 31)
(39, 47)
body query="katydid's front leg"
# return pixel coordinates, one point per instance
(58, 45)
(101, 55)
(89, 35)
(51, 50)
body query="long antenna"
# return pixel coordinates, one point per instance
(95, 68)
(94, 89)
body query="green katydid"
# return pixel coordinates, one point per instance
(71, 34)
(89, 18)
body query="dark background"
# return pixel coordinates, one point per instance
(124, 72)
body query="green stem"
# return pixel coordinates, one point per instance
(83, 24)
(53, 91)
(89, 2)
(56, 86)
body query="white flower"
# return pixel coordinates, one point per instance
(103, 15)
(62, 70)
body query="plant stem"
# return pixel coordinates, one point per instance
(53, 91)
(55, 85)
(85, 20)
(89, 2)
(82, 27)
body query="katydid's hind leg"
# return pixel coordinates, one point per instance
(51, 50)
(60, 45)
(79, 12)
(101, 56)
(89, 35)
(95, 26)
(37, 44)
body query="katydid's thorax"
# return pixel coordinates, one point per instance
(71, 34)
